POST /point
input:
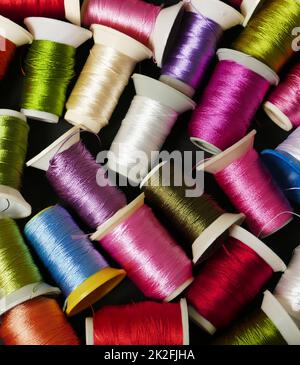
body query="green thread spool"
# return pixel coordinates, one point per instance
(13, 147)
(49, 66)
(270, 325)
(199, 220)
(20, 279)
(268, 36)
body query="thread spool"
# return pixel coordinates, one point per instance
(103, 78)
(147, 23)
(230, 101)
(247, 7)
(231, 279)
(201, 221)
(284, 164)
(80, 271)
(79, 180)
(20, 279)
(282, 104)
(49, 66)
(145, 323)
(271, 325)
(241, 174)
(154, 262)
(11, 37)
(195, 46)
(278, 17)
(18, 10)
(13, 139)
(39, 321)
(152, 115)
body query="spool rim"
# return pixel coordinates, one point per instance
(151, 173)
(13, 113)
(89, 331)
(200, 321)
(179, 290)
(259, 247)
(205, 146)
(210, 235)
(185, 322)
(72, 11)
(16, 206)
(178, 85)
(277, 116)
(93, 289)
(16, 34)
(248, 8)
(41, 116)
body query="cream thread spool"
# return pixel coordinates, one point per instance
(100, 86)
(59, 32)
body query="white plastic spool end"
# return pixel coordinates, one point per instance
(163, 29)
(162, 93)
(179, 290)
(110, 37)
(13, 113)
(185, 322)
(248, 8)
(283, 322)
(277, 116)
(14, 33)
(226, 54)
(259, 247)
(89, 331)
(224, 15)
(72, 11)
(41, 116)
(201, 321)
(57, 31)
(222, 160)
(42, 160)
(178, 85)
(205, 146)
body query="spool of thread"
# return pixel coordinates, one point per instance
(18, 10)
(278, 17)
(200, 221)
(242, 176)
(230, 280)
(103, 78)
(140, 244)
(196, 43)
(283, 103)
(147, 23)
(288, 288)
(79, 270)
(145, 323)
(148, 122)
(284, 164)
(39, 321)
(270, 325)
(13, 147)
(49, 67)
(247, 7)
(230, 101)
(11, 37)
(20, 279)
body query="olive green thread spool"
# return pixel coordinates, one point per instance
(268, 36)
(13, 147)
(270, 325)
(49, 67)
(199, 219)
(20, 279)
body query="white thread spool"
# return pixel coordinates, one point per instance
(12, 203)
(59, 32)
(157, 91)
(261, 249)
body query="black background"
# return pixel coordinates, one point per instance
(40, 195)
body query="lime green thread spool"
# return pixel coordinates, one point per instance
(268, 36)
(270, 325)
(13, 147)
(49, 66)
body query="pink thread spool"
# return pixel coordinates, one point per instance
(283, 103)
(250, 187)
(230, 101)
(138, 242)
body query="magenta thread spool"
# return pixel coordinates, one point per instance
(202, 26)
(249, 185)
(230, 101)
(137, 241)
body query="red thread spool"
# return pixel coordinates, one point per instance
(231, 279)
(145, 323)
(7, 53)
(38, 321)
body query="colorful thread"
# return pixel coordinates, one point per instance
(7, 52)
